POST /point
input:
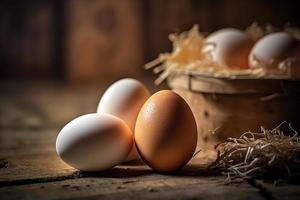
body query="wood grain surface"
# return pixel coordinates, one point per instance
(31, 115)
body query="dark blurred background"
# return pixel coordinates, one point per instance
(95, 39)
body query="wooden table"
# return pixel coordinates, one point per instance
(31, 115)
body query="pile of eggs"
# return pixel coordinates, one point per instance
(237, 49)
(128, 124)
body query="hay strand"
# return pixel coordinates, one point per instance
(258, 154)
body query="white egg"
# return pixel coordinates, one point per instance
(229, 47)
(124, 99)
(270, 50)
(94, 142)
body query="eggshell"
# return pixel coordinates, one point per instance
(230, 47)
(166, 132)
(94, 142)
(270, 50)
(124, 100)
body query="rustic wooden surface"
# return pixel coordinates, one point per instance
(31, 114)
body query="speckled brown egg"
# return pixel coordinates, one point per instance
(166, 132)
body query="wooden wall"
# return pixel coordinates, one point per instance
(93, 39)
(103, 38)
(26, 38)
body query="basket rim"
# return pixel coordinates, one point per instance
(200, 74)
(211, 84)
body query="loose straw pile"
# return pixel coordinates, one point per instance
(259, 154)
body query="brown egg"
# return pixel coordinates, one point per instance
(230, 47)
(166, 132)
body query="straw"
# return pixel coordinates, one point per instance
(188, 56)
(260, 154)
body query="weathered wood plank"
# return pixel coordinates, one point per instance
(14, 143)
(30, 120)
(31, 117)
(31, 158)
(281, 191)
(32, 167)
(152, 186)
(34, 171)
(45, 104)
(30, 155)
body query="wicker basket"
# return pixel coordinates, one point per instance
(229, 107)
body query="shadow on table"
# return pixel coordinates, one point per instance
(193, 169)
(138, 168)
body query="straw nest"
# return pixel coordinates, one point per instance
(268, 153)
(187, 57)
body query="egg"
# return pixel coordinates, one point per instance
(124, 100)
(94, 142)
(166, 132)
(272, 49)
(229, 47)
